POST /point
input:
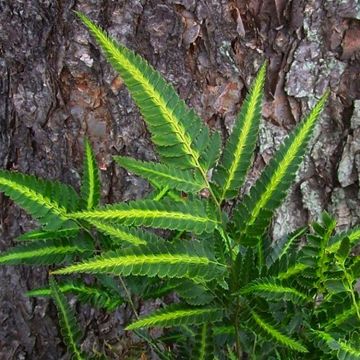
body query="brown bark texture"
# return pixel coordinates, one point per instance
(56, 87)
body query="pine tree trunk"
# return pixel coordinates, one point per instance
(56, 88)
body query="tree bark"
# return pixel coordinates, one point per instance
(56, 87)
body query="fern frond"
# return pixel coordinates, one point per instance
(353, 235)
(344, 349)
(163, 175)
(254, 213)
(49, 235)
(45, 252)
(342, 315)
(236, 158)
(97, 296)
(90, 184)
(122, 233)
(191, 216)
(69, 328)
(281, 247)
(177, 315)
(175, 129)
(46, 201)
(292, 271)
(193, 293)
(271, 288)
(270, 330)
(204, 344)
(189, 260)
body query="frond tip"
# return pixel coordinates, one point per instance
(175, 315)
(236, 159)
(69, 328)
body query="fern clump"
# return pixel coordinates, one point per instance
(239, 295)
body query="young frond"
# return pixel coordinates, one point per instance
(46, 201)
(164, 175)
(175, 129)
(236, 158)
(179, 260)
(99, 297)
(268, 329)
(90, 184)
(192, 215)
(254, 213)
(68, 326)
(49, 235)
(204, 343)
(273, 289)
(45, 252)
(177, 315)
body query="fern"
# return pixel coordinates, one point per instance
(46, 201)
(236, 158)
(255, 211)
(270, 330)
(238, 294)
(69, 329)
(45, 252)
(344, 349)
(165, 214)
(164, 175)
(176, 315)
(204, 343)
(177, 131)
(97, 296)
(49, 235)
(163, 260)
(121, 233)
(90, 186)
(274, 289)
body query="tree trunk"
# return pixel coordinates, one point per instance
(56, 87)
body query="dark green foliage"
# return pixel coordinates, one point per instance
(238, 294)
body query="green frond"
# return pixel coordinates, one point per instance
(273, 289)
(45, 252)
(344, 349)
(291, 271)
(49, 235)
(353, 235)
(120, 233)
(163, 175)
(46, 201)
(254, 213)
(193, 293)
(97, 296)
(178, 315)
(276, 250)
(69, 329)
(236, 158)
(270, 330)
(189, 216)
(204, 343)
(90, 184)
(175, 129)
(342, 315)
(183, 259)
